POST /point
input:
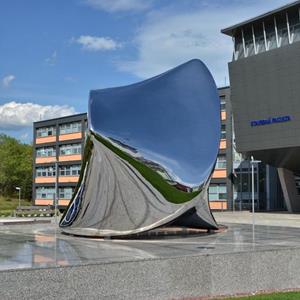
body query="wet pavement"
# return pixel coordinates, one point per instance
(43, 245)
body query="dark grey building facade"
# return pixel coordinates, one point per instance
(265, 91)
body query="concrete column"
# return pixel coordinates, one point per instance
(288, 184)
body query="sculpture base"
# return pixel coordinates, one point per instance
(232, 262)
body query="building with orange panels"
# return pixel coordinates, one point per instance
(220, 191)
(57, 142)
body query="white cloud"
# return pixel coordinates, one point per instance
(14, 116)
(51, 60)
(95, 43)
(119, 5)
(7, 80)
(170, 38)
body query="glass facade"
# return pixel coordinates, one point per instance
(70, 128)
(297, 181)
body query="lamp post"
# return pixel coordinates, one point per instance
(252, 172)
(19, 189)
(56, 191)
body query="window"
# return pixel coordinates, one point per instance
(297, 181)
(217, 192)
(66, 192)
(45, 152)
(70, 149)
(45, 172)
(73, 170)
(221, 162)
(45, 193)
(70, 128)
(223, 104)
(223, 131)
(46, 131)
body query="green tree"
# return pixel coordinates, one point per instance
(15, 167)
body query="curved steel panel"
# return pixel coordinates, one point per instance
(151, 150)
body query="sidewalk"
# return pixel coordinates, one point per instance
(20, 221)
(270, 219)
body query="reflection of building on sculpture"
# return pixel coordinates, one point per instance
(146, 165)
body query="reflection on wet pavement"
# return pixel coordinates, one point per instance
(42, 245)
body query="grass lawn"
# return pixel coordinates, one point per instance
(8, 205)
(275, 296)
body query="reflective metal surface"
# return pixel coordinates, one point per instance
(149, 155)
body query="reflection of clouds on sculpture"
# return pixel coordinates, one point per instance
(146, 167)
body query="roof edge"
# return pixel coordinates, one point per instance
(229, 30)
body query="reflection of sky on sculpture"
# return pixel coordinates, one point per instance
(149, 116)
(174, 168)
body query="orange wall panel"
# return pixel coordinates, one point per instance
(223, 115)
(70, 136)
(221, 173)
(46, 139)
(42, 160)
(223, 144)
(44, 179)
(68, 179)
(43, 202)
(218, 205)
(70, 157)
(63, 202)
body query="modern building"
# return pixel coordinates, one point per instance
(264, 75)
(221, 190)
(57, 142)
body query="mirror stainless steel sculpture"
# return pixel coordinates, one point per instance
(149, 155)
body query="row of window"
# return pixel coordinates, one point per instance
(217, 192)
(70, 128)
(73, 170)
(69, 149)
(49, 193)
(63, 129)
(221, 162)
(45, 152)
(46, 131)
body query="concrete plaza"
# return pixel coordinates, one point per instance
(38, 262)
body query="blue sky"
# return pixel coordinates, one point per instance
(53, 52)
